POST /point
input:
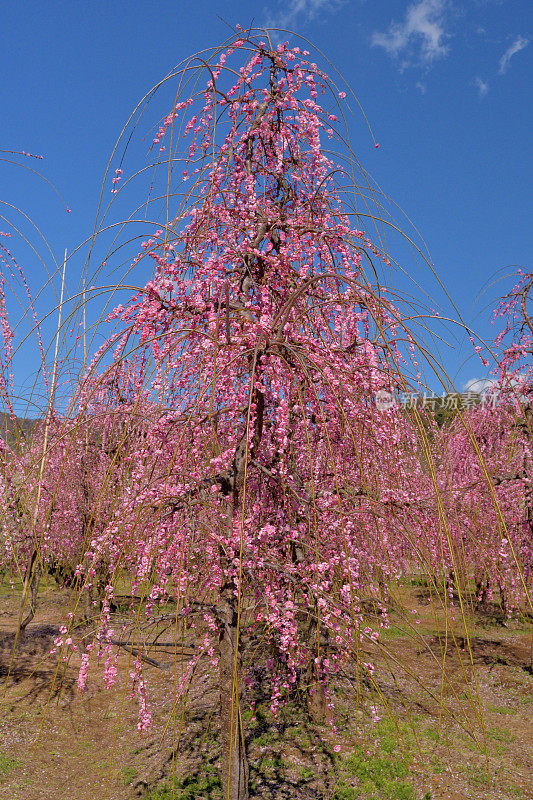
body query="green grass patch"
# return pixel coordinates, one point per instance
(501, 710)
(306, 774)
(7, 764)
(373, 777)
(500, 736)
(206, 785)
(128, 775)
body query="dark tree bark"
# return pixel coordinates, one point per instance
(234, 771)
(30, 591)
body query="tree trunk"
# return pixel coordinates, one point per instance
(482, 589)
(30, 591)
(317, 704)
(234, 770)
(318, 639)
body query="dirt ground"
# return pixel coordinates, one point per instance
(456, 720)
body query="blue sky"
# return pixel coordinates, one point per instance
(445, 85)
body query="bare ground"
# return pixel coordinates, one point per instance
(464, 731)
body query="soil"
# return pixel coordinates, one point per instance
(456, 718)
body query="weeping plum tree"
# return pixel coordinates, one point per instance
(482, 481)
(86, 469)
(485, 469)
(514, 345)
(242, 456)
(271, 493)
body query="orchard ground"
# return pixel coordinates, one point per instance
(57, 742)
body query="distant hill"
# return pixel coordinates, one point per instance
(17, 430)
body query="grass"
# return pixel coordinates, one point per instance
(433, 734)
(391, 633)
(128, 775)
(383, 774)
(379, 775)
(500, 736)
(437, 767)
(501, 710)
(7, 764)
(419, 581)
(205, 785)
(306, 774)
(270, 765)
(376, 777)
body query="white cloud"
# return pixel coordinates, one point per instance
(481, 86)
(519, 43)
(422, 88)
(294, 10)
(479, 385)
(424, 27)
